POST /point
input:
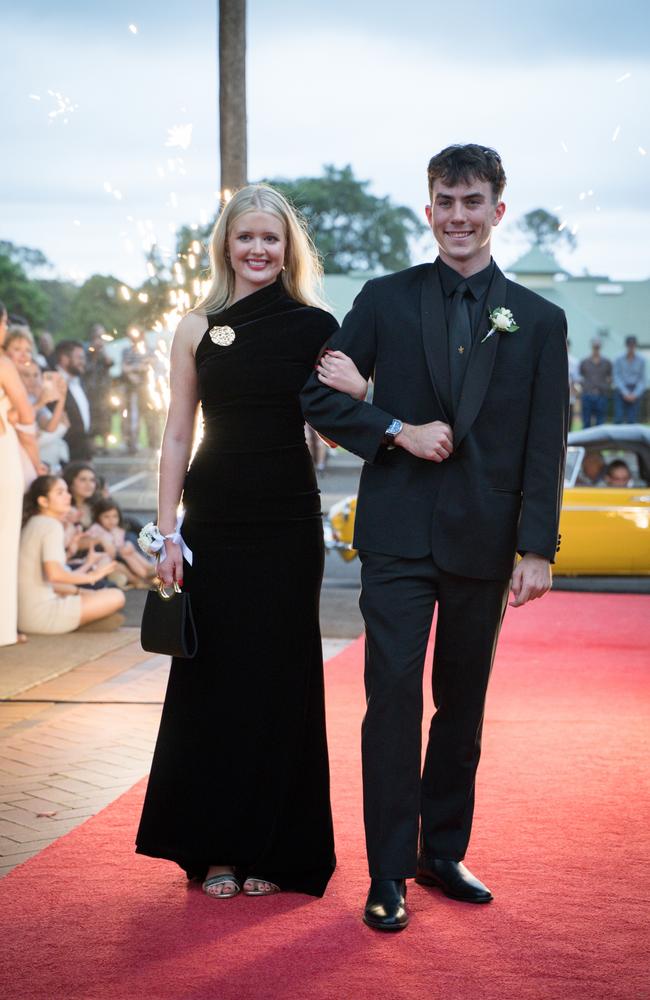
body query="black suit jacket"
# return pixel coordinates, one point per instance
(501, 489)
(79, 442)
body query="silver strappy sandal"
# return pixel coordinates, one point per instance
(260, 892)
(224, 878)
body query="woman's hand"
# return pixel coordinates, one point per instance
(172, 567)
(95, 575)
(337, 371)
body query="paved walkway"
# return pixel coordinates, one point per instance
(72, 744)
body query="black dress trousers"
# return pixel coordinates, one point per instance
(398, 598)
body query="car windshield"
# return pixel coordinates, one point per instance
(573, 460)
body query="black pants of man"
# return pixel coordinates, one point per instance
(398, 598)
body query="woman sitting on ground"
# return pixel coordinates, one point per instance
(50, 600)
(81, 480)
(108, 530)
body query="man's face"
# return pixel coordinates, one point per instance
(461, 219)
(592, 466)
(77, 361)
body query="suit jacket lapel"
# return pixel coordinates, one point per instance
(435, 339)
(481, 361)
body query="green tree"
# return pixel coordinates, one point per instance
(100, 300)
(353, 229)
(21, 295)
(542, 229)
(60, 295)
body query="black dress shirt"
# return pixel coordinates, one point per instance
(478, 285)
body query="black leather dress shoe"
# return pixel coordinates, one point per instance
(455, 880)
(386, 905)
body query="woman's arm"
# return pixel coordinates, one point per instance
(338, 371)
(105, 538)
(12, 384)
(59, 408)
(178, 436)
(56, 572)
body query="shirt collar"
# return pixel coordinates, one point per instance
(478, 283)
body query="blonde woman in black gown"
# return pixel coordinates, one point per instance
(239, 789)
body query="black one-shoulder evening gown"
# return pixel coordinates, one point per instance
(240, 772)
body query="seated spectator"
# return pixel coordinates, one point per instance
(593, 470)
(618, 473)
(81, 480)
(50, 599)
(52, 424)
(108, 529)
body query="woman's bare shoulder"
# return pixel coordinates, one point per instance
(190, 331)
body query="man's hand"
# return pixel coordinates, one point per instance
(531, 579)
(433, 442)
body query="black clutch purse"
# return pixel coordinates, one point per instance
(168, 624)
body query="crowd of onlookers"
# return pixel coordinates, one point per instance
(69, 551)
(595, 381)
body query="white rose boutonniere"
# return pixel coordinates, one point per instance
(501, 320)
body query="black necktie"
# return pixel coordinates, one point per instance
(460, 339)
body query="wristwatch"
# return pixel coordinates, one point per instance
(391, 432)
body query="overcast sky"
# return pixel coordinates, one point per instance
(560, 89)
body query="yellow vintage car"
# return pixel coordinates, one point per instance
(605, 521)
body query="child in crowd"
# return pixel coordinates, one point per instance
(108, 529)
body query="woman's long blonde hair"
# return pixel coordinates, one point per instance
(302, 274)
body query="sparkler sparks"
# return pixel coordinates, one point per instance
(63, 106)
(133, 28)
(179, 136)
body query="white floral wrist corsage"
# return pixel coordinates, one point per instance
(152, 542)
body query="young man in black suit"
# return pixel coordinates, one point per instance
(464, 448)
(71, 361)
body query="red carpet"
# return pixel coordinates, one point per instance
(561, 836)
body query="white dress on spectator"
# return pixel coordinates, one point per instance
(40, 608)
(11, 508)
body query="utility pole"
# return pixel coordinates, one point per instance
(232, 95)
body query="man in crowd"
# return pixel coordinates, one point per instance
(71, 361)
(137, 362)
(574, 384)
(629, 384)
(98, 386)
(596, 378)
